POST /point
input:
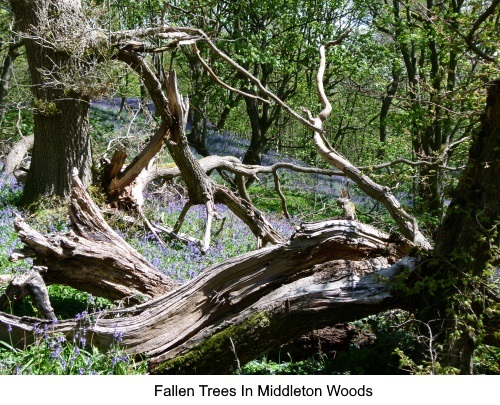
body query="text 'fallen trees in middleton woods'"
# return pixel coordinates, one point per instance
(260, 390)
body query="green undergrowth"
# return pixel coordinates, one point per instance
(319, 364)
(54, 355)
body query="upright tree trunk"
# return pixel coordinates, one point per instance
(392, 88)
(259, 125)
(61, 124)
(6, 74)
(198, 99)
(466, 250)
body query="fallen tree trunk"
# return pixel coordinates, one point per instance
(91, 256)
(328, 272)
(16, 155)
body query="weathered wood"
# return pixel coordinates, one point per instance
(328, 272)
(115, 166)
(32, 284)
(348, 208)
(92, 257)
(16, 154)
(406, 223)
(173, 110)
(121, 180)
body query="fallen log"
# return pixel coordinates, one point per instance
(91, 256)
(328, 272)
(16, 155)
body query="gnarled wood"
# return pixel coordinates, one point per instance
(327, 273)
(173, 109)
(92, 257)
(32, 284)
(406, 223)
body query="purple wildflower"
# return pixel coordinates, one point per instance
(117, 336)
(55, 354)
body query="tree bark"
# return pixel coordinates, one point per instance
(466, 250)
(392, 88)
(258, 125)
(8, 64)
(328, 272)
(61, 125)
(91, 256)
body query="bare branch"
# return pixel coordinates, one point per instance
(406, 223)
(220, 82)
(327, 107)
(281, 195)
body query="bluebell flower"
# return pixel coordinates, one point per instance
(117, 336)
(55, 353)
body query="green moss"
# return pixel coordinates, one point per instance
(203, 357)
(47, 108)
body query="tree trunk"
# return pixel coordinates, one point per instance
(198, 100)
(173, 109)
(92, 257)
(6, 74)
(392, 88)
(328, 272)
(253, 155)
(61, 124)
(466, 250)
(431, 190)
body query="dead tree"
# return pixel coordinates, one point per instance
(173, 109)
(91, 256)
(328, 272)
(200, 190)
